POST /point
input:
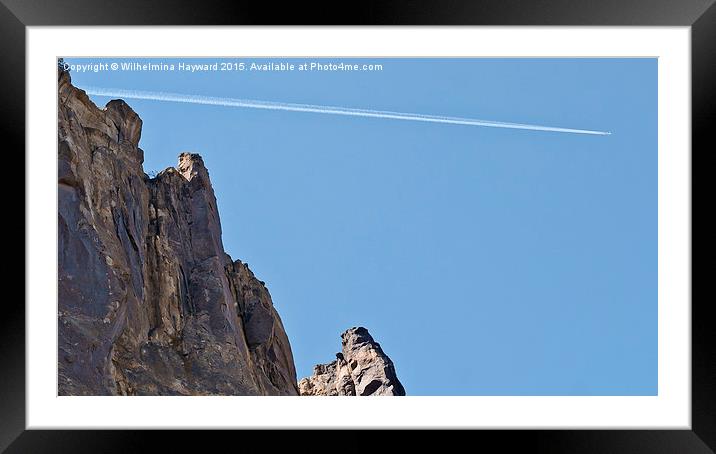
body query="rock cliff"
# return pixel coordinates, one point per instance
(361, 369)
(149, 302)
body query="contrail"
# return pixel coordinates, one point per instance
(331, 110)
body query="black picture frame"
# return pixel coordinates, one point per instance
(16, 15)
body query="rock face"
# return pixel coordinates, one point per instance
(361, 369)
(149, 302)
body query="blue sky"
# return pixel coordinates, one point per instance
(485, 261)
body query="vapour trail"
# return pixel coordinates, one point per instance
(331, 110)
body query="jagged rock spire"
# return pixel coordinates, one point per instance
(360, 369)
(149, 301)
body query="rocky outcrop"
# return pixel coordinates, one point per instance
(361, 369)
(149, 302)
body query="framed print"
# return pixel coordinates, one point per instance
(480, 220)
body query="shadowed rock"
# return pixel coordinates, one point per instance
(360, 369)
(149, 302)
